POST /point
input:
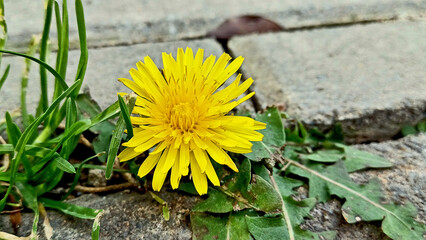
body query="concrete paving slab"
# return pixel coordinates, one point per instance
(111, 22)
(126, 216)
(105, 66)
(371, 78)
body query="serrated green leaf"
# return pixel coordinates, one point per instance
(286, 185)
(363, 201)
(263, 196)
(409, 229)
(326, 156)
(231, 226)
(263, 228)
(187, 187)
(304, 234)
(294, 211)
(240, 181)
(243, 191)
(274, 136)
(355, 159)
(217, 202)
(260, 169)
(317, 187)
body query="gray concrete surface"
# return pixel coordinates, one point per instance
(111, 22)
(127, 216)
(369, 77)
(105, 66)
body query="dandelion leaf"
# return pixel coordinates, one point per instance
(362, 202)
(273, 135)
(230, 226)
(242, 190)
(355, 159)
(263, 228)
(217, 202)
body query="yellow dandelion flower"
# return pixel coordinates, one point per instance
(181, 115)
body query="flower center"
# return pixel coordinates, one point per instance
(182, 116)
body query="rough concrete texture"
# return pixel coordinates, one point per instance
(369, 77)
(105, 66)
(127, 216)
(111, 22)
(405, 181)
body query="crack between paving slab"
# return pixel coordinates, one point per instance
(223, 42)
(254, 100)
(340, 24)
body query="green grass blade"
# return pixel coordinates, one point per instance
(84, 53)
(24, 82)
(100, 167)
(126, 117)
(54, 176)
(116, 138)
(42, 63)
(5, 74)
(62, 57)
(3, 31)
(13, 132)
(43, 104)
(96, 227)
(70, 119)
(31, 150)
(114, 145)
(58, 29)
(64, 165)
(71, 209)
(23, 140)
